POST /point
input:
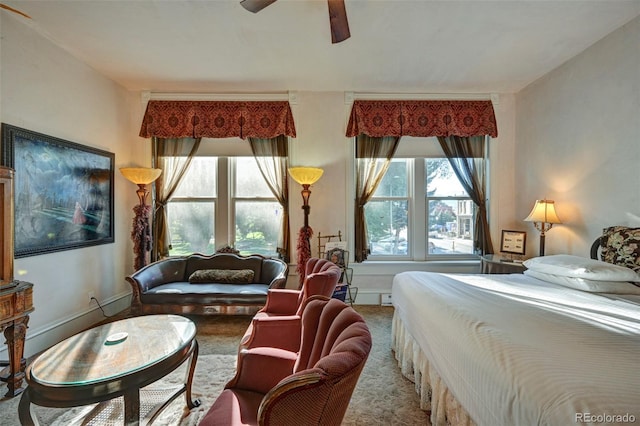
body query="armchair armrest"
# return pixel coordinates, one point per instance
(281, 302)
(260, 369)
(290, 392)
(282, 332)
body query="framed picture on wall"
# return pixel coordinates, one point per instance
(63, 193)
(514, 242)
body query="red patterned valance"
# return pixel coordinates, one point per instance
(422, 118)
(217, 119)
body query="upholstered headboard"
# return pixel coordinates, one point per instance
(619, 245)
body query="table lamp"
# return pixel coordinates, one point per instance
(543, 217)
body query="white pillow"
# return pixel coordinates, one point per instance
(593, 286)
(580, 267)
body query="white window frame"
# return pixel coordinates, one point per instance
(418, 200)
(225, 199)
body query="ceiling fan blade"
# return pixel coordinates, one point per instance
(256, 6)
(4, 6)
(338, 21)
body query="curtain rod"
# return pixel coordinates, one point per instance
(169, 96)
(349, 97)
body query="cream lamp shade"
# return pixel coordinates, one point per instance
(543, 217)
(306, 175)
(140, 175)
(544, 211)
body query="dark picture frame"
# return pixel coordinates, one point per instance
(514, 242)
(63, 196)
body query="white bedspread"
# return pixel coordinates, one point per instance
(515, 350)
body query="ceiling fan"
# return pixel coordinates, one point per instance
(337, 16)
(10, 9)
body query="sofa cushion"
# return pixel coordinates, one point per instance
(221, 294)
(224, 261)
(222, 276)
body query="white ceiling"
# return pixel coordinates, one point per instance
(413, 46)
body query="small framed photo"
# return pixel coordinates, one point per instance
(514, 242)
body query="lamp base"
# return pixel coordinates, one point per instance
(542, 238)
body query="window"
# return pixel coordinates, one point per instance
(387, 213)
(223, 200)
(420, 210)
(450, 212)
(191, 211)
(257, 215)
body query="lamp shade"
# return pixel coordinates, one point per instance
(140, 175)
(544, 211)
(306, 175)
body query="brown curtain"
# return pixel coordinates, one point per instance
(466, 156)
(272, 158)
(369, 174)
(173, 156)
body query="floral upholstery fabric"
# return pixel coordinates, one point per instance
(620, 245)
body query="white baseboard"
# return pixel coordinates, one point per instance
(42, 338)
(368, 298)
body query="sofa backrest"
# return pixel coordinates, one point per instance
(161, 272)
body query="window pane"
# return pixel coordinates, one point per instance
(257, 226)
(200, 178)
(441, 180)
(191, 225)
(387, 222)
(394, 182)
(249, 180)
(450, 227)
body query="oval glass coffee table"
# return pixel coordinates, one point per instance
(113, 360)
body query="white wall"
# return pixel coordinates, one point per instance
(46, 90)
(578, 143)
(571, 136)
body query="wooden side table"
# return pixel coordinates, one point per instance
(497, 264)
(16, 303)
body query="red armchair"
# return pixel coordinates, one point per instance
(313, 387)
(277, 324)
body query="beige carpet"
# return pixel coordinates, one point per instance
(382, 395)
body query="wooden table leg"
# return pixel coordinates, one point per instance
(15, 334)
(132, 407)
(190, 370)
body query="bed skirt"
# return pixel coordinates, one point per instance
(435, 397)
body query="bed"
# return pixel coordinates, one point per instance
(557, 345)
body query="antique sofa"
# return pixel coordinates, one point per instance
(221, 283)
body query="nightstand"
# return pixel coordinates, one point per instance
(498, 264)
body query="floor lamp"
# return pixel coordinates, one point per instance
(543, 215)
(141, 231)
(305, 176)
